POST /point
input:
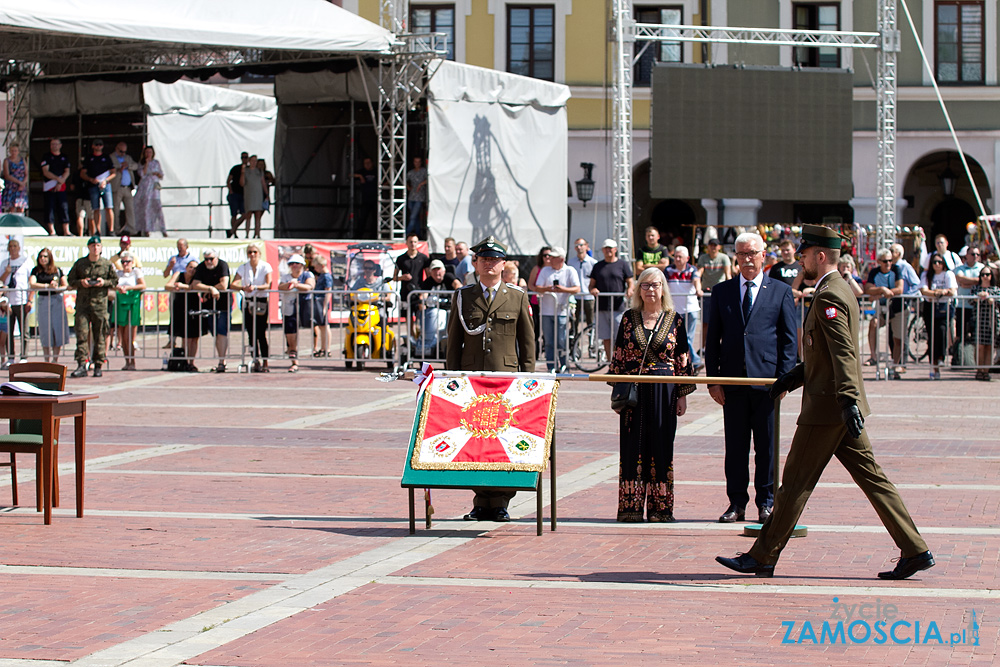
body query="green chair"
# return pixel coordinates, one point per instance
(26, 434)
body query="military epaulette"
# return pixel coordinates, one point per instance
(513, 286)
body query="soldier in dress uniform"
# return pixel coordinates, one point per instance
(91, 277)
(490, 329)
(831, 422)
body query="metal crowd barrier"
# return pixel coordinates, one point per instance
(961, 333)
(957, 333)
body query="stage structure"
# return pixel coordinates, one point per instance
(55, 41)
(627, 32)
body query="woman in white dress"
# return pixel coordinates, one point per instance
(148, 209)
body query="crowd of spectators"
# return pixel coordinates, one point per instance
(105, 194)
(567, 291)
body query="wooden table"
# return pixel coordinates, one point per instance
(48, 409)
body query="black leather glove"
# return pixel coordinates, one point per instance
(789, 381)
(852, 419)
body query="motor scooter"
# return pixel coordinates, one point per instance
(368, 336)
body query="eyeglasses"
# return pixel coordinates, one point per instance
(581, 245)
(748, 255)
(209, 259)
(985, 274)
(253, 252)
(546, 256)
(885, 261)
(649, 287)
(126, 261)
(938, 261)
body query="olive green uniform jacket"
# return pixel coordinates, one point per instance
(507, 341)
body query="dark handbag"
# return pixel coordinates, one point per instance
(626, 394)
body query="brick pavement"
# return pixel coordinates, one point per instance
(220, 532)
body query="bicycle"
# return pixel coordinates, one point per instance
(587, 351)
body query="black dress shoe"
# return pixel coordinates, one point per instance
(763, 513)
(500, 514)
(907, 567)
(732, 515)
(477, 514)
(81, 371)
(746, 564)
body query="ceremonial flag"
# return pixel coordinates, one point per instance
(485, 423)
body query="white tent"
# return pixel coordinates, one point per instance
(293, 25)
(497, 160)
(199, 132)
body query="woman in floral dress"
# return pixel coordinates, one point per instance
(148, 209)
(646, 436)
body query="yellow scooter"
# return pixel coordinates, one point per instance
(368, 336)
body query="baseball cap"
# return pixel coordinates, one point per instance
(558, 251)
(125, 239)
(297, 259)
(436, 264)
(609, 243)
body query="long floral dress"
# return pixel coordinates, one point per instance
(148, 209)
(14, 197)
(646, 432)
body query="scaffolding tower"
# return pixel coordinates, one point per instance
(626, 32)
(403, 76)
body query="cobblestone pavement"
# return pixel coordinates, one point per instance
(244, 520)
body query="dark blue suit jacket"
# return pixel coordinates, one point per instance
(765, 346)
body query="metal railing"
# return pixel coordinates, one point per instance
(898, 334)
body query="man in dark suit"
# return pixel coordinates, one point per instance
(751, 333)
(490, 329)
(831, 422)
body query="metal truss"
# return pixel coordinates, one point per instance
(626, 32)
(693, 33)
(47, 57)
(402, 81)
(621, 142)
(18, 130)
(885, 111)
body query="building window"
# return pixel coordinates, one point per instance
(531, 41)
(816, 17)
(435, 18)
(959, 54)
(649, 53)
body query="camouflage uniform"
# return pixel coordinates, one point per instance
(91, 306)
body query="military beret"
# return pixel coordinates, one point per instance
(823, 237)
(94, 239)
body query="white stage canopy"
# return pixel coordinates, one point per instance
(291, 25)
(497, 162)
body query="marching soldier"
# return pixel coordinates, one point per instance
(91, 276)
(831, 422)
(490, 329)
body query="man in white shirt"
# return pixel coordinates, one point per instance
(951, 260)
(685, 287)
(555, 283)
